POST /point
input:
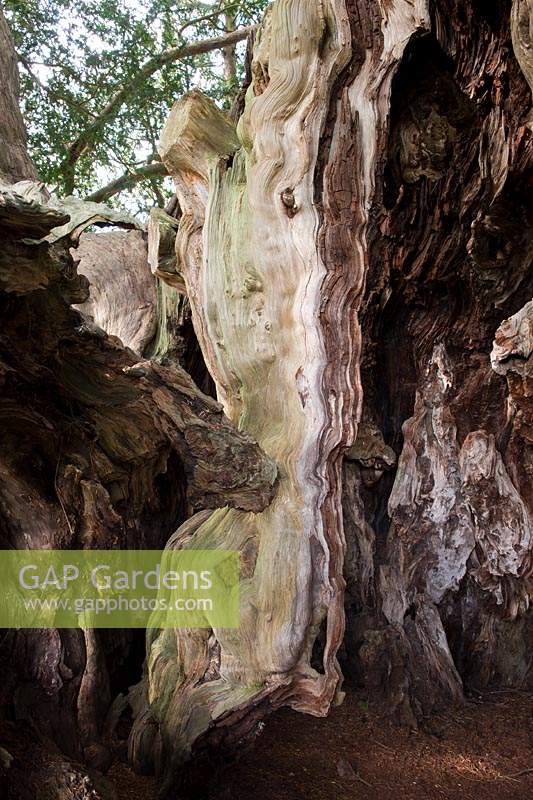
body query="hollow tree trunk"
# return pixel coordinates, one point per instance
(350, 252)
(445, 542)
(356, 256)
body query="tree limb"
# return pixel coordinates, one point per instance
(51, 92)
(228, 53)
(129, 178)
(217, 13)
(76, 149)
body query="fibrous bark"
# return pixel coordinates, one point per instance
(253, 275)
(137, 294)
(356, 255)
(162, 230)
(445, 544)
(15, 164)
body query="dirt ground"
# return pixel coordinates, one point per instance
(482, 752)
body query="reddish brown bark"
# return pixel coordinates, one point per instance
(15, 164)
(449, 255)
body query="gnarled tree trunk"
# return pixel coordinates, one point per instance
(99, 448)
(356, 257)
(350, 253)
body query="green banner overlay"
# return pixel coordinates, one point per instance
(119, 589)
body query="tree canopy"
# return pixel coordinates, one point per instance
(98, 78)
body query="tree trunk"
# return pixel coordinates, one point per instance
(356, 260)
(99, 448)
(445, 541)
(15, 164)
(350, 253)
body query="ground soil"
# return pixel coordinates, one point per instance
(483, 751)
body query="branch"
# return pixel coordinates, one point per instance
(126, 180)
(80, 145)
(219, 11)
(51, 92)
(228, 53)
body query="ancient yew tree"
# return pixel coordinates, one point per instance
(349, 257)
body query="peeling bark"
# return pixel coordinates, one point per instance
(15, 164)
(253, 276)
(449, 537)
(162, 230)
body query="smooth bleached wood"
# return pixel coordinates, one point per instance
(247, 247)
(123, 292)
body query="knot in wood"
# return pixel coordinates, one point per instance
(289, 201)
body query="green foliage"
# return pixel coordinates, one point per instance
(75, 55)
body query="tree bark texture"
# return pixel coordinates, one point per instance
(15, 164)
(99, 448)
(355, 255)
(351, 252)
(123, 293)
(442, 546)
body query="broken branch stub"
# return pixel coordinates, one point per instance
(162, 230)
